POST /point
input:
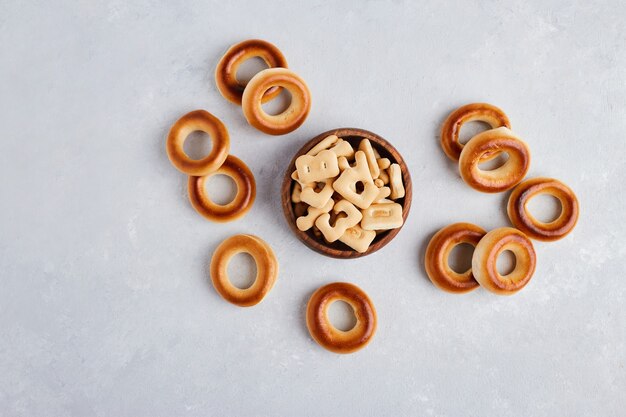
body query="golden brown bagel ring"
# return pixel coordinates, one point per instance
(226, 71)
(266, 266)
(438, 250)
(325, 333)
(488, 145)
(193, 121)
(241, 204)
(533, 228)
(290, 119)
(486, 255)
(481, 112)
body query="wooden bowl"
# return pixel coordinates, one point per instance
(338, 249)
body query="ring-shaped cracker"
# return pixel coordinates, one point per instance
(241, 204)
(438, 251)
(198, 120)
(486, 255)
(527, 223)
(487, 145)
(325, 333)
(266, 266)
(226, 70)
(290, 119)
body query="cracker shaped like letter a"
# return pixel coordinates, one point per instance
(357, 238)
(317, 168)
(346, 183)
(332, 233)
(304, 223)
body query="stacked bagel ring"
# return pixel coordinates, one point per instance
(488, 246)
(218, 161)
(263, 87)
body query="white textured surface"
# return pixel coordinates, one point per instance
(105, 302)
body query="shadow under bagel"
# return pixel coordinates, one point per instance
(338, 249)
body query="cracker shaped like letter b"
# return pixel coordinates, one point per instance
(317, 168)
(346, 183)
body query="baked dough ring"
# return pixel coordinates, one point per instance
(226, 71)
(241, 204)
(325, 333)
(193, 121)
(266, 266)
(481, 112)
(438, 251)
(527, 223)
(290, 119)
(487, 145)
(486, 255)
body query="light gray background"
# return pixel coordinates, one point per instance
(106, 307)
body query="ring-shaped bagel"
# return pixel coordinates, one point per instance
(325, 333)
(198, 120)
(438, 251)
(479, 112)
(486, 255)
(290, 119)
(266, 266)
(226, 70)
(487, 145)
(527, 223)
(241, 204)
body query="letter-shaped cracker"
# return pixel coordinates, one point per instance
(383, 192)
(395, 180)
(383, 163)
(357, 238)
(343, 163)
(294, 176)
(382, 216)
(332, 233)
(366, 147)
(318, 199)
(304, 223)
(346, 183)
(325, 143)
(343, 148)
(317, 168)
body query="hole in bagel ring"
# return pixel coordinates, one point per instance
(226, 70)
(438, 251)
(487, 145)
(193, 121)
(266, 264)
(486, 255)
(241, 204)
(322, 330)
(527, 223)
(290, 119)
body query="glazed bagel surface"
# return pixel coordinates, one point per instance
(488, 145)
(226, 71)
(527, 223)
(480, 112)
(325, 333)
(290, 119)
(486, 255)
(198, 120)
(241, 204)
(266, 266)
(438, 252)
